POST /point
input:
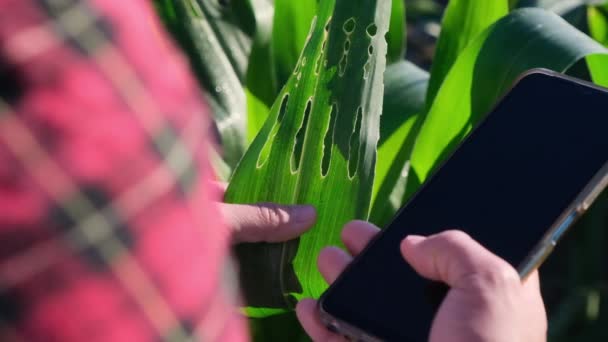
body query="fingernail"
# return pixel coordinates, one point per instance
(304, 214)
(414, 239)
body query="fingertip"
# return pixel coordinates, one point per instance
(357, 234)
(305, 311)
(356, 227)
(414, 239)
(324, 254)
(289, 222)
(354, 224)
(305, 215)
(331, 262)
(411, 241)
(329, 254)
(305, 307)
(301, 219)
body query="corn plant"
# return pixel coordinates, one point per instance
(313, 105)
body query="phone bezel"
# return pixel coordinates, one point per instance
(537, 255)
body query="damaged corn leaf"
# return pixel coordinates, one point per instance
(317, 147)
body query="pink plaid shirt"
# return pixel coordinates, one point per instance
(107, 227)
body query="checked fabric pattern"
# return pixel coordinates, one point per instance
(107, 228)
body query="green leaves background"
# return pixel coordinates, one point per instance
(278, 81)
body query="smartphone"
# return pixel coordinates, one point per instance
(515, 184)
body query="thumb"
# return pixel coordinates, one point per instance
(267, 222)
(452, 257)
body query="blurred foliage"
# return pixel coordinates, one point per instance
(218, 40)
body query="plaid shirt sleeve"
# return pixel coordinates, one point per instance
(107, 227)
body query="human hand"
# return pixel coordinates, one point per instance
(487, 301)
(266, 222)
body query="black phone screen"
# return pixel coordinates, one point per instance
(505, 185)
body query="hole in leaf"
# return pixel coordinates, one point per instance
(349, 26)
(372, 29)
(327, 24)
(313, 24)
(283, 108)
(299, 143)
(319, 63)
(346, 45)
(366, 70)
(354, 144)
(342, 65)
(265, 152)
(328, 142)
(370, 50)
(297, 69)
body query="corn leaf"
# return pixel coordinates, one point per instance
(257, 113)
(217, 36)
(560, 7)
(290, 28)
(462, 22)
(261, 80)
(318, 146)
(525, 39)
(396, 37)
(573, 11)
(275, 55)
(598, 23)
(402, 115)
(597, 17)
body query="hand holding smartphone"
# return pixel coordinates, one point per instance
(515, 185)
(487, 301)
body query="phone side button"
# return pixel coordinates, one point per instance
(563, 227)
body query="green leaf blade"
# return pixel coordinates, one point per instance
(290, 28)
(261, 80)
(598, 23)
(463, 21)
(257, 113)
(597, 17)
(396, 37)
(402, 115)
